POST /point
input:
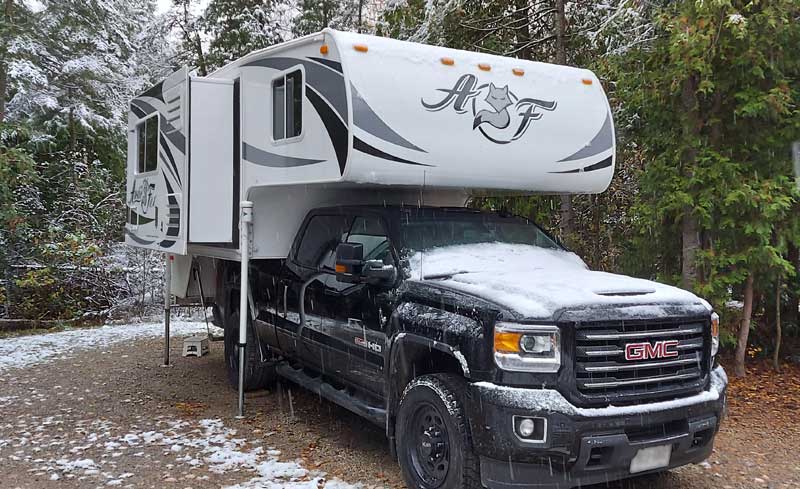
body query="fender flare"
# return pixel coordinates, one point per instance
(401, 338)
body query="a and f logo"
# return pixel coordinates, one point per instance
(497, 112)
(646, 351)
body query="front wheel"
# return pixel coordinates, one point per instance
(257, 374)
(433, 442)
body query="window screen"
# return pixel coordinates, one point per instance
(147, 145)
(287, 106)
(319, 242)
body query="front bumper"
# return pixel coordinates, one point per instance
(585, 446)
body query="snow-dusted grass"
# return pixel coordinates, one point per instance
(24, 351)
(199, 447)
(90, 450)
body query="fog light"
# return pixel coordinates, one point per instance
(530, 430)
(526, 427)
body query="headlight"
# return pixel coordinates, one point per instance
(527, 348)
(714, 334)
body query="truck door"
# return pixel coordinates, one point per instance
(308, 272)
(355, 333)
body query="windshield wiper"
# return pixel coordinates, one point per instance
(439, 276)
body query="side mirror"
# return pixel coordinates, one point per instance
(376, 272)
(349, 262)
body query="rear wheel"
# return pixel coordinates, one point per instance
(257, 374)
(433, 443)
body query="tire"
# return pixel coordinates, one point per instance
(434, 446)
(257, 374)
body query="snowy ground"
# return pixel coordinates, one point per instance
(24, 351)
(68, 446)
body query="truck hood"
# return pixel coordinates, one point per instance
(537, 282)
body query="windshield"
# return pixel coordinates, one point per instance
(420, 233)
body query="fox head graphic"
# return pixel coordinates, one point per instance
(499, 100)
(498, 97)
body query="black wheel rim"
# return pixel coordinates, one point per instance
(429, 447)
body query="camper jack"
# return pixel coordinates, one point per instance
(489, 354)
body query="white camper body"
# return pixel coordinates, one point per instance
(342, 118)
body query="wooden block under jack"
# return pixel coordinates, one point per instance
(195, 346)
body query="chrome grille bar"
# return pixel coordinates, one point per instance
(634, 366)
(639, 334)
(646, 380)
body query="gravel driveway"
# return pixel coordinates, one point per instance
(94, 408)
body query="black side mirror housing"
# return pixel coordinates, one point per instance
(352, 268)
(349, 262)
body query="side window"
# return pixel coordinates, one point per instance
(318, 247)
(369, 231)
(147, 145)
(287, 105)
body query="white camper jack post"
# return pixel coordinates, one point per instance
(167, 304)
(246, 222)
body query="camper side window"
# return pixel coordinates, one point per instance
(287, 106)
(147, 145)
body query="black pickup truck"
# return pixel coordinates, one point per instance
(492, 356)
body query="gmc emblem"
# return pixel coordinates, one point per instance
(646, 351)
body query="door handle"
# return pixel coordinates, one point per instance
(285, 305)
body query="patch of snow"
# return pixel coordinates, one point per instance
(25, 351)
(463, 361)
(736, 19)
(536, 282)
(207, 444)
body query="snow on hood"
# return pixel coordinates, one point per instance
(536, 282)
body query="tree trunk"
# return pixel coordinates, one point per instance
(193, 42)
(201, 59)
(566, 224)
(523, 30)
(793, 302)
(744, 328)
(690, 229)
(596, 231)
(9, 276)
(7, 19)
(776, 355)
(691, 243)
(360, 15)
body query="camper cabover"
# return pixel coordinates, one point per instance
(315, 192)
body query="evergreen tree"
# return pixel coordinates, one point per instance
(316, 15)
(236, 28)
(716, 108)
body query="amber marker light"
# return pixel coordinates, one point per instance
(323, 49)
(507, 342)
(448, 61)
(518, 71)
(361, 48)
(715, 326)
(341, 268)
(484, 66)
(587, 81)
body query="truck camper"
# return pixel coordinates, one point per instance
(315, 192)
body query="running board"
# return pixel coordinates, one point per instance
(342, 398)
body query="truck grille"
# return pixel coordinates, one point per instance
(603, 375)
